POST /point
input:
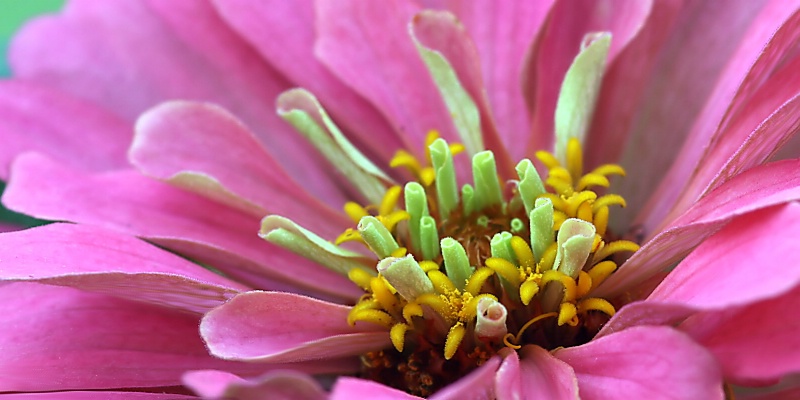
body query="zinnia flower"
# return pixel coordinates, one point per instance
(440, 192)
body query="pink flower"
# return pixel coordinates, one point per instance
(691, 99)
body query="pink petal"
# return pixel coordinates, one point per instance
(558, 44)
(753, 343)
(625, 89)
(260, 22)
(352, 388)
(108, 262)
(443, 33)
(285, 327)
(196, 227)
(719, 274)
(758, 188)
(367, 45)
(539, 376)
(642, 363)
(276, 385)
(96, 396)
(58, 338)
(749, 67)
(691, 61)
(195, 137)
(503, 32)
(36, 118)
(132, 55)
(478, 384)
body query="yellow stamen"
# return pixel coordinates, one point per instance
(389, 201)
(477, 279)
(505, 269)
(524, 327)
(404, 159)
(598, 304)
(360, 277)
(601, 271)
(454, 338)
(428, 266)
(412, 310)
(441, 283)
(399, 252)
(527, 290)
(381, 293)
(523, 252)
(549, 257)
(574, 158)
(590, 180)
(607, 200)
(349, 235)
(355, 211)
(577, 199)
(567, 314)
(609, 169)
(548, 159)
(398, 335)
(584, 283)
(585, 212)
(570, 288)
(601, 220)
(376, 317)
(615, 247)
(436, 303)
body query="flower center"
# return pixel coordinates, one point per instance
(472, 271)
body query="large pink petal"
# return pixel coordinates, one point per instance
(353, 388)
(292, 23)
(478, 384)
(111, 263)
(58, 338)
(278, 385)
(195, 137)
(443, 33)
(367, 45)
(503, 32)
(687, 67)
(35, 118)
(747, 70)
(98, 395)
(538, 376)
(718, 273)
(191, 225)
(625, 89)
(760, 187)
(754, 343)
(642, 363)
(285, 327)
(559, 42)
(131, 55)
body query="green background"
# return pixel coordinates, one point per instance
(13, 14)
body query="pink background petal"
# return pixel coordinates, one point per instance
(753, 343)
(760, 187)
(108, 262)
(285, 327)
(33, 117)
(58, 338)
(538, 375)
(197, 137)
(367, 45)
(277, 385)
(260, 22)
(352, 388)
(186, 223)
(478, 384)
(642, 363)
(96, 396)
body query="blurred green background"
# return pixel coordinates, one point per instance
(13, 14)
